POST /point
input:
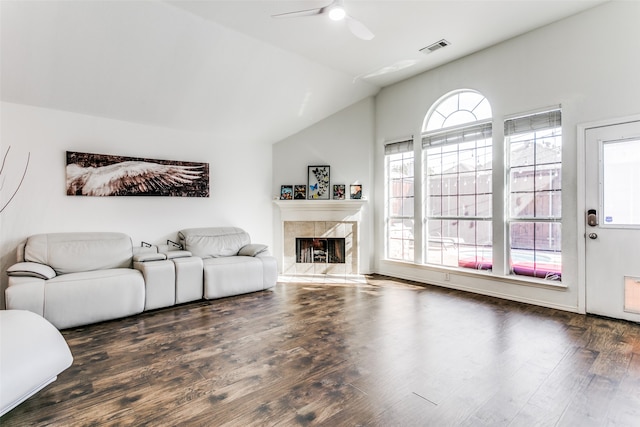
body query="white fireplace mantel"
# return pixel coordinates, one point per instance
(320, 210)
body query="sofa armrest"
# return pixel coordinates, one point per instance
(177, 254)
(252, 249)
(31, 269)
(145, 257)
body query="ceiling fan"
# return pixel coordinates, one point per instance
(336, 11)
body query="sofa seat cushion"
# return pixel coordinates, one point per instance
(233, 275)
(93, 296)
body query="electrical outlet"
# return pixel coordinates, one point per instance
(447, 277)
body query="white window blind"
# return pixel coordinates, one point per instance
(533, 123)
(456, 136)
(398, 147)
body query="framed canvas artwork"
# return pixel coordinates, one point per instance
(90, 174)
(318, 180)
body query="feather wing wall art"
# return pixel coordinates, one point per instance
(103, 175)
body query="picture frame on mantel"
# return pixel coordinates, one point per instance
(286, 192)
(356, 191)
(338, 191)
(319, 182)
(300, 192)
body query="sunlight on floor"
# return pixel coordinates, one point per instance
(323, 278)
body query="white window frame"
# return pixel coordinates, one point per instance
(523, 124)
(405, 148)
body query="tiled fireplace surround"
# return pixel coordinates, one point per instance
(320, 229)
(320, 219)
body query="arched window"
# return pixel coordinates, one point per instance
(457, 168)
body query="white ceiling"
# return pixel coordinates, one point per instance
(401, 29)
(227, 67)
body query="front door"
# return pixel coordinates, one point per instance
(612, 248)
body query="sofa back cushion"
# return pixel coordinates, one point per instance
(75, 252)
(213, 242)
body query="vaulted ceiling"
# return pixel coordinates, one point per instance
(227, 67)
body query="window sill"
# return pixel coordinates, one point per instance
(487, 275)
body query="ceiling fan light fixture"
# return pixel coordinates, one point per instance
(337, 13)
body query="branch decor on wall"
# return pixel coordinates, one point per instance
(91, 174)
(3, 176)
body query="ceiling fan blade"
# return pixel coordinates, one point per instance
(298, 13)
(359, 29)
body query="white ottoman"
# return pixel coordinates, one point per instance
(32, 354)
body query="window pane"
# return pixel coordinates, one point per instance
(535, 250)
(483, 205)
(400, 243)
(548, 177)
(449, 161)
(467, 205)
(435, 185)
(395, 229)
(522, 154)
(548, 204)
(434, 206)
(475, 245)
(407, 188)
(621, 163)
(449, 184)
(484, 182)
(548, 149)
(449, 206)
(395, 207)
(522, 205)
(467, 182)
(395, 188)
(522, 179)
(407, 207)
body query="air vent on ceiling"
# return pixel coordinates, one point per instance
(435, 46)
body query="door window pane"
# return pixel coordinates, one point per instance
(621, 165)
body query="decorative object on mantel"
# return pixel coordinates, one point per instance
(286, 192)
(356, 191)
(318, 177)
(300, 192)
(3, 176)
(338, 191)
(91, 174)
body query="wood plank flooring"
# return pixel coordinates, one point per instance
(383, 353)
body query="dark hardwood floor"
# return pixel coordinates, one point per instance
(385, 353)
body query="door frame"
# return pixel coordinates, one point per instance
(582, 129)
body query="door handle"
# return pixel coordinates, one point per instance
(593, 236)
(592, 217)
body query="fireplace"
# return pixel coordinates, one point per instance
(320, 237)
(320, 250)
(320, 247)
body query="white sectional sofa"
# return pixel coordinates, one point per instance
(73, 279)
(232, 264)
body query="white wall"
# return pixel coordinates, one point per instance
(240, 183)
(587, 63)
(342, 141)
